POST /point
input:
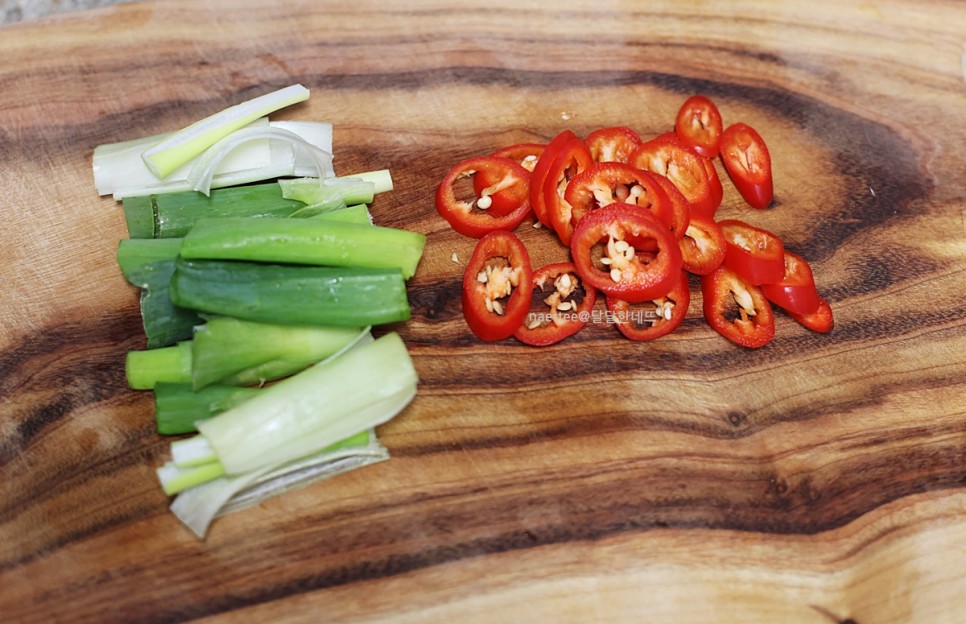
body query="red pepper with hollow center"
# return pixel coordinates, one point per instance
(736, 309)
(539, 175)
(570, 161)
(757, 255)
(473, 217)
(605, 251)
(497, 286)
(667, 156)
(503, 201)
(614, 144)
(566, 304)
(796, 291)
(602, 184)
(699, 125)
(654, 319)
(746, 158)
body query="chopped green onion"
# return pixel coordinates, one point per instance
(145, 369)
(330, 401)
(291, 295)
(165, 157)
(164, 322)
(133, 254)
(177, 406)
(304, 241)
(350, 214)
(202, 172)
(312, 191)
(233, 352)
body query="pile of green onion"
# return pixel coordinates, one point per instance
(262, 277)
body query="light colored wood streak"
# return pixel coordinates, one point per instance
(820, 479)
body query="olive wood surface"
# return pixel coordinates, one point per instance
(819, 479)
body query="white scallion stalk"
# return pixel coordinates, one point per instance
(165, 157)
(203, 170)
(119, 170)
(328, 402)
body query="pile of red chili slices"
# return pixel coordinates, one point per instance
(638, 217)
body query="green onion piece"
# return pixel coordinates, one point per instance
(203, 171)
(352, 214)
(313, 191)
(177, 406)
(330, 401)
(291, 295)
(145, 369)
(182, 146)
(176, 479)
(234, 352)
(134, 253)
(193, 451)
(304, 241)
(164, 323)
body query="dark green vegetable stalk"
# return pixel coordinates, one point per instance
(289, 294)
(304, 241)
(177, 407)
(164, 322)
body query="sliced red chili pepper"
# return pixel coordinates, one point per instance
(572, 159)
(820, 320)
(736, 309)
(680, 207)
(667, 156)
(796, 291)
(567, 302)
(605, 251)
(614, 144)
(699, 125)
(746, 158)
(503, 201)
(605, 183)
(757, 255)
(652, 319)
(703, 246)
(469, 217)
(714, 181)
(539, 174)
(497, 285)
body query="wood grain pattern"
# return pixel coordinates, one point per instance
(820, 479)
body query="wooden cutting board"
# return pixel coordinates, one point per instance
(819, 479)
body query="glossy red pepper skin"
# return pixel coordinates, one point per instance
(573, 158)
(720, 290)
(539, 175)
(605, 183)
(632, 322)
(821, 320)
(640, 276)
(507, 200)
(615, 144)
(717, 190)
(667, 156)
(552, 325)
(464, 216)
(680, 207)
(748, 162)
(698, 124)
(757, 255)
(485, 323)
(703, 246)
(796, 291)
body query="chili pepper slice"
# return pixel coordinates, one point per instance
(497, 286)
(485, 184)
(602, 184)
(757, 255)
(565, 302)
(820, 320)
(714, 181)
(615, 144)
(539, 174)
(703, 246)
(573, 158)
(605, 251)
(652, 319)
(796, 291)
(680, 207)
(667, 156)
(746, 158)
(736, 309)
(472, 217)
(698, 124)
